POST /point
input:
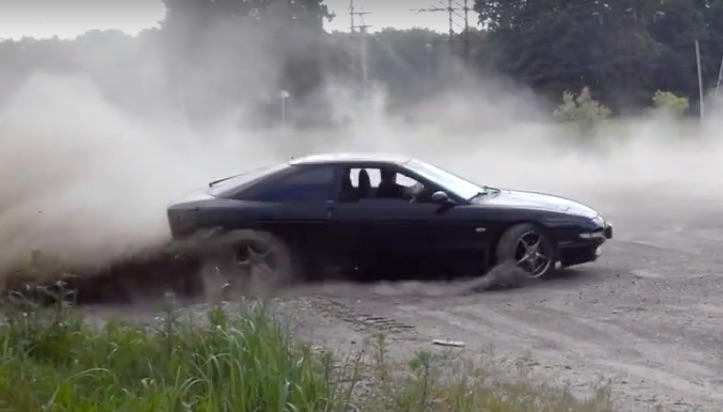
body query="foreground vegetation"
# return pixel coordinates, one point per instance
(53, 360)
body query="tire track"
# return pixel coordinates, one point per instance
(594, 357)
(360, 321)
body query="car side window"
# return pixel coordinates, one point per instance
(368, 183)
(312, 184)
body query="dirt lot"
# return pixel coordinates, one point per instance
(647, 316)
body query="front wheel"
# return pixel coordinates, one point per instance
(530, 247)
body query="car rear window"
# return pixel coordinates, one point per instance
(235, 183)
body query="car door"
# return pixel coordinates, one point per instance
(468, 229)
(372, 227)
(420, 231)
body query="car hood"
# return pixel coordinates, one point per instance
(540, 201)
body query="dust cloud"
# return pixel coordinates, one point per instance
(86, 182)
(87, 177)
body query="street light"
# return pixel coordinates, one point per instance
(283, 94)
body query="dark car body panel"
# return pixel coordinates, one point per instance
(376, 231)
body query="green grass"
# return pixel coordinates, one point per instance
(53, 360)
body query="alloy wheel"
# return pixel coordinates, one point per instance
(531, 254)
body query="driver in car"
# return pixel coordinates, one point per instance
(388, 187)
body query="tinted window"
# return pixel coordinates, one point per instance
(308, 184)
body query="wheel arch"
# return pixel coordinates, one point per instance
(508, 225)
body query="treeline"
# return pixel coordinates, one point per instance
(210, 57)
(624, 51)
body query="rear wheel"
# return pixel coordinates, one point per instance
(248, 263)
(530, 247)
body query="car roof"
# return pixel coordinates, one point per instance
(351, 157)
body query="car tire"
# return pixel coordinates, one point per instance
(249, 263)
(531, 241)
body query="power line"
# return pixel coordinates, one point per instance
(352, 14)
(452, 11)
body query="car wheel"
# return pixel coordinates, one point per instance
(249, 263)
(530, 247)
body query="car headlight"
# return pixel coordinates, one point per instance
(598, 220)
(581, 211)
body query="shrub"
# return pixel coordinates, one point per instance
(669, 104)
(581, 110)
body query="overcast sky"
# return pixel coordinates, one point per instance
(69, 18)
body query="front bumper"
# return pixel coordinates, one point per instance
(587, 248)
(603, 233)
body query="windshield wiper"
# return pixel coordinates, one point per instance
(485, 191)
(478, 194)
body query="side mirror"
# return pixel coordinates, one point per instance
(440, 197)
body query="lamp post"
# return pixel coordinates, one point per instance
(283, 94)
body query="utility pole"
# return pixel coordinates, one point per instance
(451, 25)
(452, 10)
(718, 85)
(629, 20)
(351, 16)
(466, 31)
(283, 94)
(700, 78)
(364, 58)
(719, 82)
(362, 27)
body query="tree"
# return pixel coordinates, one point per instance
(223, 51)
(407, 61)
(193, 15)
(623, 51)
(682, 22)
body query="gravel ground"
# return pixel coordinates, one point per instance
(647, 316)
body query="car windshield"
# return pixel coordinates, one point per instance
(455, 184)
(219, 187)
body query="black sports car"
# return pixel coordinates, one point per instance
(374, 212)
